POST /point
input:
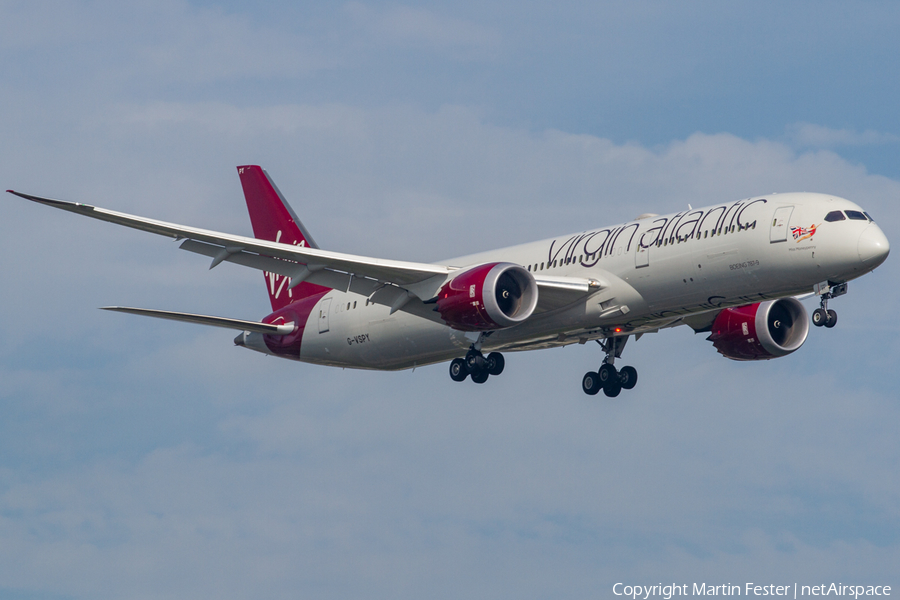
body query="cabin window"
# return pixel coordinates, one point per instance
(705, 234)
(834, 215)
(354, 305)
(855, 215)
(529, 267)
(542, 266)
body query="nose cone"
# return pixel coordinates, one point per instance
(873, 246)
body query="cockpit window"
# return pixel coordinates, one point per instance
(855, 215)
(834, 215)
(870, 216)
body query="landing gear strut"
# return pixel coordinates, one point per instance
(608, 378)
(476, 364)
(824, 315)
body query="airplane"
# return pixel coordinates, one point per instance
(733, 270)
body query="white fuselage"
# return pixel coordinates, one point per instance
(657, 271)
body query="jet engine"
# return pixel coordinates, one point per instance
(760, 331)
(488, 296)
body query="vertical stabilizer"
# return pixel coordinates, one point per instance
(274, 220)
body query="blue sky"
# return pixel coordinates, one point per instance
(149, 459)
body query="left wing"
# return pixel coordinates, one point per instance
(389, 282)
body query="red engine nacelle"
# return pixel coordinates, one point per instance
(489, 296)
(760, 331)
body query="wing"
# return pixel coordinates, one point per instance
(388, 282)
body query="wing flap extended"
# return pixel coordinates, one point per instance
(377, 292)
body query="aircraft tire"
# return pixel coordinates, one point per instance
(495, 363)
(831, 321)
(819, 317)
(607, 373)
(458, 370)
(591, 383)
(474, 361)
(628, 377)
(612, 389)
(480, 376)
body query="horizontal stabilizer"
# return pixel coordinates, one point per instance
(239, 324)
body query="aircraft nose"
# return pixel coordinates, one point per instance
(873, 246)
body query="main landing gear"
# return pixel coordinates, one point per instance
(476, 364)
(824, 315)
(608, 378)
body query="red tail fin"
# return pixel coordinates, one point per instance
(274, 220)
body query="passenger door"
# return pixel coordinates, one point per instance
(779, 230)
(324, 309)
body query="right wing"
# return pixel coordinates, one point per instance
(388, 282)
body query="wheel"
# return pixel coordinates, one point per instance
(819, 317)
(607, 373)
(628, 377)
(612, 389)
(458, 370)
(591, 383)
(831, 321)
(480, 376)
(474, 360)
(495, 363)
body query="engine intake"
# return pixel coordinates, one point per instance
(760, 331)
(489, 296)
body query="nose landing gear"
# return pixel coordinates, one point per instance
(609, 379)
(824, 315)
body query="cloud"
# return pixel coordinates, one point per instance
(313, 484)
(809, 135)
(156, 456)
(148, 459)
(396, 161)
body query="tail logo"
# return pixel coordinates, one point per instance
(276, 281)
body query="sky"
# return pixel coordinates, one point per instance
(146, 459)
